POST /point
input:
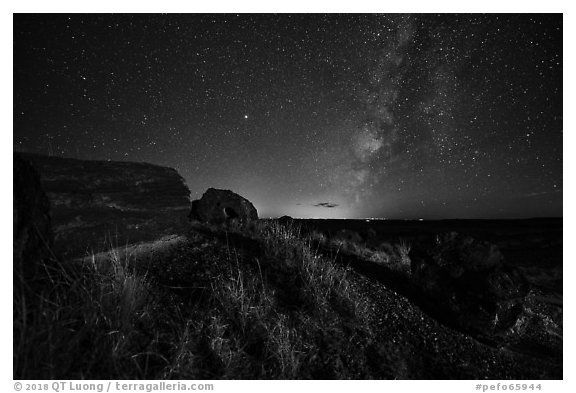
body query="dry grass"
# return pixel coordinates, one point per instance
(269, 313)
(100, 308)
(392, 256)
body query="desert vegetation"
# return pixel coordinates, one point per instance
(264, 313)
(265, 300)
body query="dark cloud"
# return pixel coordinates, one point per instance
(325, 204)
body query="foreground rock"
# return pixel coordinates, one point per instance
(96, 204)
(222, 206)
(32, 240)
(468, 279)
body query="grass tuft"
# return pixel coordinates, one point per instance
(260, 302)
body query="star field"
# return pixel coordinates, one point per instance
(339, 115)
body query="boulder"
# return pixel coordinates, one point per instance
(469, 281)
(32, 233)
(222, 206)
(285, 220)
(99, 204)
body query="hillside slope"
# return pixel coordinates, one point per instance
(249, 303)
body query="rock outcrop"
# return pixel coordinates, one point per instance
(95, 204)
(222, 206)
(32, 233)
(469, 280)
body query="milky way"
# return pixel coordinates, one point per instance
(395, 116)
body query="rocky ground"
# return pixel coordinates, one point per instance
(242, 298)
(440, 352)
(256, 302)
(399, 339)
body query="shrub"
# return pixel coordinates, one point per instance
(404, 255)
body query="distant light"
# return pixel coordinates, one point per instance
(245, 116)
(420, 219)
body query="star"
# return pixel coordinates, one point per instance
(376, 112)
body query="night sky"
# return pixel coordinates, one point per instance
(310, 115)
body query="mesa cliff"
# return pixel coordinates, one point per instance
(95, 204)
